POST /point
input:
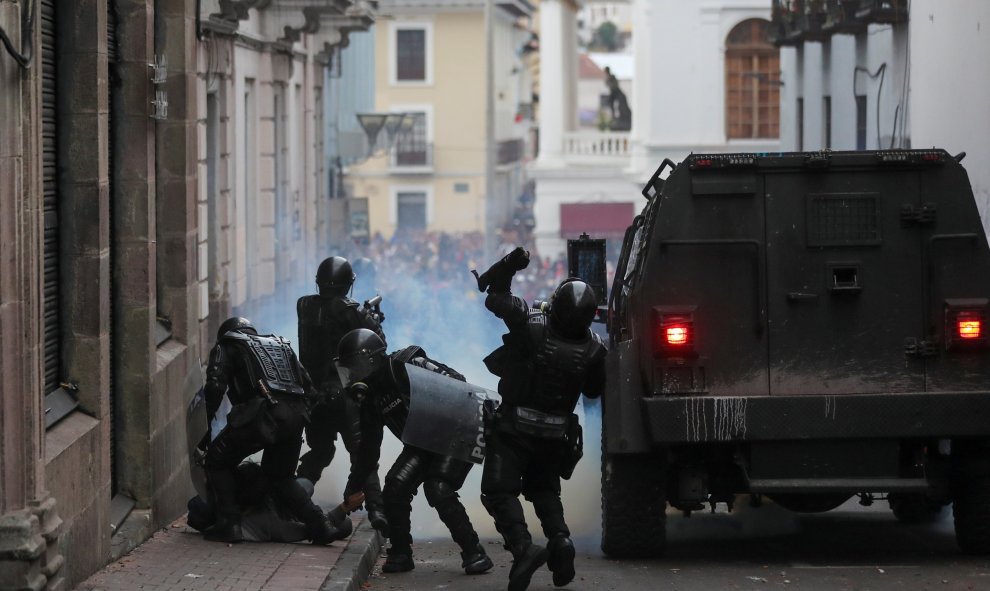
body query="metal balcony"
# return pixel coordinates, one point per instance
(412, 157)
(810, 18)
(840, 18)
(883, 11)
(784, 22)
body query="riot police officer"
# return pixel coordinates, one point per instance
(323, 320)
(381, 384)
(268, 390)
(547, 361)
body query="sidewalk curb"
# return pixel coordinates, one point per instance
(355, 563)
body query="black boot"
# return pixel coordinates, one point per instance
(340, 522)
(292, 495)
(376, 516)
(561, 560)
(201, 515)
(474, 561)
(399, 560)
(526, 560)
(223, 492)
(225, 530)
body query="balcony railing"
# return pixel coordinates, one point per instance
(796, 21)
(593, 146)
(840, 18)
(413, 156)
(785, 23)
(883, 11)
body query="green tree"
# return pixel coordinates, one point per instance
(608, 35)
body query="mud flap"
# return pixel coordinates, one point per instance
(622, 409)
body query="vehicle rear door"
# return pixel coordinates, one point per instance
(844, 282)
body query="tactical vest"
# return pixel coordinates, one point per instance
(322, 323)
(555, 367)
(268, 359)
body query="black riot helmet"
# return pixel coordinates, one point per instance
(364, 268)
(335, 276)
(572, 308)
(360, 354)
(236, 323)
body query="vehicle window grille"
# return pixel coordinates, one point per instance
(843, 220)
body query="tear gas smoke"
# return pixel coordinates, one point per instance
(431, 299)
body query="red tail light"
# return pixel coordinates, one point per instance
(969, 327)
(677, 335)
(964, 320)
(674, 330)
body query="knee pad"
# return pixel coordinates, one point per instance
(438, 491)
(396, 489)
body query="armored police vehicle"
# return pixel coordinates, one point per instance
(802, 327)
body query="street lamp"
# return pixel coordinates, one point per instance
(372, 124)
(393, 122)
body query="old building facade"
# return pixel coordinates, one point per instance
(705, 80)
(868, 75)
(427, 60)
(139, 207)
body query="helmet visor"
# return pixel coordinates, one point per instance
(357, 368)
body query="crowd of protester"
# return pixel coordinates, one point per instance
(432, 299)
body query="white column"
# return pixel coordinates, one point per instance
(813, 120)
(642, 100)
(841, 86)
(553, 99)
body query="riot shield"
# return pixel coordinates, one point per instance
(446, 416)
(195, 434)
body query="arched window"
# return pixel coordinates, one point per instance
(752, 82)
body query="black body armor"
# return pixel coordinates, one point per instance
(269, 359)
(559, 366)
(323, 321)
(542, 370)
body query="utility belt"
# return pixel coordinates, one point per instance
(565, 429)
(262, 414)
(535, 423)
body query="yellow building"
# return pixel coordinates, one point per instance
(430, 60)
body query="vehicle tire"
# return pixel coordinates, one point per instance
(915, 508)
(971, 512)
(634, 522)
(810, 503)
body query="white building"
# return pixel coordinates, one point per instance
(705, 81)
(895, 74)
(594, 14)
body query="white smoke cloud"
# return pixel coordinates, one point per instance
(444, 313)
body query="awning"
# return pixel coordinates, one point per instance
(597, 219)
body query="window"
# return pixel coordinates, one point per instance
(860, 121)
(752, 70)
(411, 53)
(410, 211)
(412, 148)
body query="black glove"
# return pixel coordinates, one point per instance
(498, 277)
